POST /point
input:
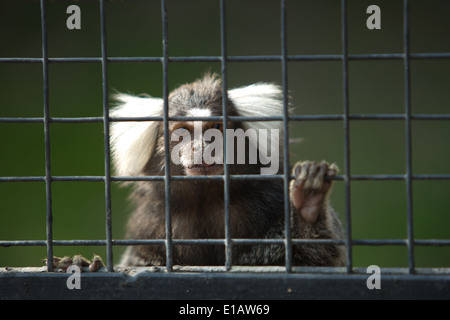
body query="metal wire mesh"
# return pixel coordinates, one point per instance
(410, 242)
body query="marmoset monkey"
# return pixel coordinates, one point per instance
(197, 206)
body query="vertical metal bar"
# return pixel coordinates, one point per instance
(109, 252)
(48, 172)
(346, 135)
(165, 64)
(411, 260)
(284, 70)
(223, 38)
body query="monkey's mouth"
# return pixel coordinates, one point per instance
(205, 169)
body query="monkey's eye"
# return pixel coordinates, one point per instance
(181, 131)
(217, 126)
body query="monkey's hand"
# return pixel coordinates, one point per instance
(309, 189)
(80, 261)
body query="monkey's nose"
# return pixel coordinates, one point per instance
(203, 165)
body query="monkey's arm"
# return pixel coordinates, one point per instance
(312, 216)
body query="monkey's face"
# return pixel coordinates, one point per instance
(197, 147)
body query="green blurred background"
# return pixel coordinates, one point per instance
(378, 208)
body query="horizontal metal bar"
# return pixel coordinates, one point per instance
(51, 120)
(43, 243)
(22, 179)
(431, 242)
(139, 178)
(381, 177)
(21, 120)
(258, 58)
(134, 242)
(208, 177)
(398, 177)
(231, 118)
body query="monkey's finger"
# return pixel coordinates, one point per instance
(96, 264)
(332, 170)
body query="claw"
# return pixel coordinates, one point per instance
(81, 261)
(97, 263)
(61, 263)
(332, 170)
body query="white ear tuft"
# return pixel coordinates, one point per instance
(260, 99)
(132, 142)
